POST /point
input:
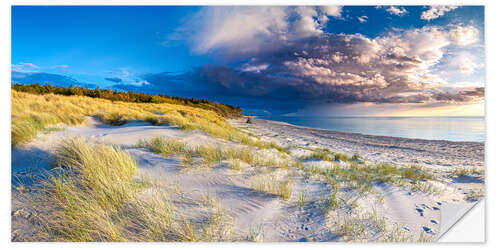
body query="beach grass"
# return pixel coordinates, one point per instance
(211, 155)
(464, 171)
(362, 176)
(33, 113)
(98, 198)
(272, 183)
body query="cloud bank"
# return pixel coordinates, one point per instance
(285, 54)
(287, 58)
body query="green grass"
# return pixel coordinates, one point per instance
(32, 113)
(235, 164)
(322, 154)
(464, 171)
(164, 146)
(96, 197)
(325, 154)
(362, 176)
(212, 155)
(272, 184)
(360, 226)
(302, 199)
(341, 157)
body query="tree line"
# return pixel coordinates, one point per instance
(224, 110)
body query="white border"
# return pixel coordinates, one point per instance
(492, 104)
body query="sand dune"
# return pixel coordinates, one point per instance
(386, 211)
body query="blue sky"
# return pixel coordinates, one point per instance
(336, 60)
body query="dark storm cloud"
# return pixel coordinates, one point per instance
(324, 68)
(321, 69)
(462, 96)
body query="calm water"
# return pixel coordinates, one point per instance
(431, 128)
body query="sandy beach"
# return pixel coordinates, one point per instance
(387, 212)
(396, 150)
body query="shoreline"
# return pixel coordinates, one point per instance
(359, 133)
(407, 151)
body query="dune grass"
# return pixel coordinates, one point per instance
(211, 155)
(464, 171)
(98, 198)
(280, 185)
(362, 176)
(235, 164)
(359, 226)
(33, 113)
(165, 146)
(325, 154)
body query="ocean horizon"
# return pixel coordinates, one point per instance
(451, 128)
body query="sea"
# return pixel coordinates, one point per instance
(463, 128)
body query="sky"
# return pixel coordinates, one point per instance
(293, 60)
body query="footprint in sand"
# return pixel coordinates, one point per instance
(420, 211)
(439, 203)
(425, 206)
(434, 222)
(427, 230)
(435, 208)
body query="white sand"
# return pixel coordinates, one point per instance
(272, 218)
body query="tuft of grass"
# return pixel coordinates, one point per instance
(416, 173)
(244, 154)
(187, 159)
(341, 157)
(285, 188)
(82, 204)
(396, 234)
(209, 154)
(95, 198)
(105, 170)
(302, 199)
(323, 154)
(256, 234)
(356, 156)
(463, 171)
(113, 118)
(424, 238)
(235, 164)
(164, 146)
(272, 184)
(214, 155)
(360, 226)
(362, 176)
(473, 196)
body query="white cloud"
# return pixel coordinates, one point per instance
(25, 67)
(396, 67)
(436, 11)
(362, 19)
(250, 28)
(463, 62)
(332, 10)
(254, 68)
(62, 66)
(464, 35)
(399, 66)
(398, 11)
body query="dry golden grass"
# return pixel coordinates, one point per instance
(96, 197)
(273, 183)
(34, 113)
